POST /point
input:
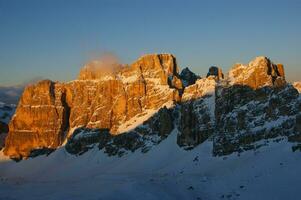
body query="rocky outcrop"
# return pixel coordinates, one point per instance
(104, 98)
(41, 120)
(188, 77)
(216, 72)
(258, 73)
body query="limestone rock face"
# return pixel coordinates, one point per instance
(147, 84)
(258, 73)
(40, 120)
(104, 98)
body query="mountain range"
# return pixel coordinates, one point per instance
(151, 111)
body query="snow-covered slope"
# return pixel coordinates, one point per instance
(165, 172)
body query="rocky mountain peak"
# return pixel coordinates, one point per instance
(188, 77)
(258, 73)
(162, 66)
(216, 72)
(167, 62)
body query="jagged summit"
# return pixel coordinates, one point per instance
(160, 56)
(160, 67)
(188, 77)
(216, 72)
(258, 73)
(99, 69)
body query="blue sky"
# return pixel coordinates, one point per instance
(54, 38)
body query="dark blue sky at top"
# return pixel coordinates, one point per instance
(54, 38)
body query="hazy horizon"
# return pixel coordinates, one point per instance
(53, 39)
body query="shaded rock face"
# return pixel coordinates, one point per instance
(197, 113)
(258, 73)
(215, 71)
(82, 139)
(244, 116)
(188, 77)
(48, 112)
(141, 138)
(240, 115)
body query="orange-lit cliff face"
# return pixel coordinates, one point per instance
(100, 98)
(119, 98)
(258, 73)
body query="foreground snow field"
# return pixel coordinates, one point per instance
(165, 172)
